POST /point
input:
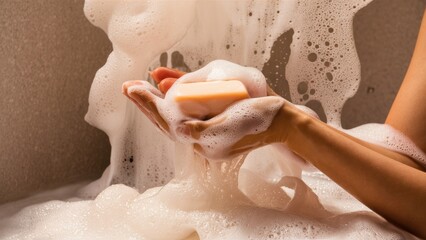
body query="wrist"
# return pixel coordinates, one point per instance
(291, 120)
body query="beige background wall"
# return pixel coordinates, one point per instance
(385, 35)
(49, 54)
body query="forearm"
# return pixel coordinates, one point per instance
(393, 189)
(408, 112)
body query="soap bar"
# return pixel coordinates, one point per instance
(207, 99)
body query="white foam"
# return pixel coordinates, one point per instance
(390, 138)
(258, 196)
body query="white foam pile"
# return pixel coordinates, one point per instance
(173, 193)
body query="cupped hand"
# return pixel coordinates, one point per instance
(243, 126)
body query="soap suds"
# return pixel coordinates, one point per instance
(180, 195)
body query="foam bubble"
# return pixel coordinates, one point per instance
(176, 194)
(390, 138)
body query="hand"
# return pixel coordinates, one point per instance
(240, 128)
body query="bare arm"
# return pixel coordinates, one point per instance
(393, 189)
(389, 183)
(408, 112)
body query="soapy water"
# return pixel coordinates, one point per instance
(171, 192)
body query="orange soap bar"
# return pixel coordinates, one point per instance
(207, 99)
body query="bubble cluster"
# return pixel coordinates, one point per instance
(176, 194)
(386, 136)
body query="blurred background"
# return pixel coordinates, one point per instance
(49, 54)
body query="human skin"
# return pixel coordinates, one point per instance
(390, 183)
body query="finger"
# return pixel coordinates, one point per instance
(139, 104)
(194, 128)
(141, 95)
(144, 96)
(246, 112)
(149, 108)
(166, 84)
(128, 84)
(162, 73)
(141, 83)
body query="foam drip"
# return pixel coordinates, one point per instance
(324, 65)
(177, 194)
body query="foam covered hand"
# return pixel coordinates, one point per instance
(243, 126)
